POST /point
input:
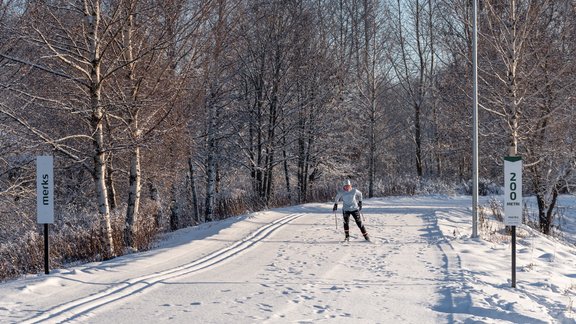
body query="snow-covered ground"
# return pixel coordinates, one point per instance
(288, 266)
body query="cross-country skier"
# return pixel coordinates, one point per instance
(351, 205)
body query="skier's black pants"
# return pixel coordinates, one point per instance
(356, 215)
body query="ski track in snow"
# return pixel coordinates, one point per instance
(74, 309)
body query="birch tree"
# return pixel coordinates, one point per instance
(530, 47)
(151, 87)
(70, 37)
(77, 43)
(141, 93)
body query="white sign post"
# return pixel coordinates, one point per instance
(513, 202)
(513, 191)
(45, 189)
(45, 198)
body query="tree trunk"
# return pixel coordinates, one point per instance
(372, 158)
(286, 169)
(133, 199)
(546, 207)
(270, 152)
(111, 188)
(196, 210)
(210, 183)
(418, 139)
(174, 213)
(100, 177)
(512, 86)
(134, 179)
(155, 197)
(546, 211)
(98, 134)
(302, 154)
(210, 165)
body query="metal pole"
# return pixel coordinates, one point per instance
(46, 265)
(513, 256)
(475, 123)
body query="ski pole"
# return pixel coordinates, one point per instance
(335, 220)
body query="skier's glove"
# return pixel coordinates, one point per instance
(359, 205)
(335, 207)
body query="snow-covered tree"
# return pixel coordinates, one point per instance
(525, 80)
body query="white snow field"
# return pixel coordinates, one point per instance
(287, 265)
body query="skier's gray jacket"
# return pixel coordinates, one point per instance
(349, 199)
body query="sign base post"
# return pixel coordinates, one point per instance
(513, 256)
(46, 255)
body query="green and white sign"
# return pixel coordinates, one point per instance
(45, 189)
(513, 191)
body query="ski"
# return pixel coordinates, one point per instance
(347, 241)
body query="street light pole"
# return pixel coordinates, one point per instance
(475, 123)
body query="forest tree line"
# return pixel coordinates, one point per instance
(162, 114)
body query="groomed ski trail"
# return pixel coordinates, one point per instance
(279, 266)
(74, 309)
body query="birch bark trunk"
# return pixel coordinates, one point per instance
(98, 130)
(130, 231)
